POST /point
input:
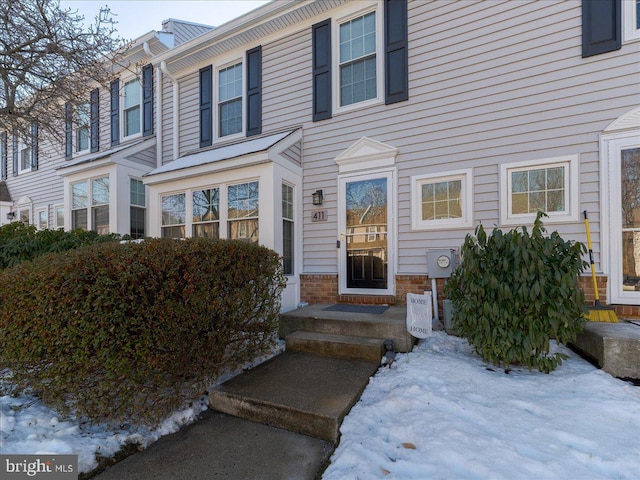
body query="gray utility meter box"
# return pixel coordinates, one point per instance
(441, 262)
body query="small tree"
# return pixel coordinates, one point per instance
(48, 58)
(514, 292)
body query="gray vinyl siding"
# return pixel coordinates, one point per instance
(167, 121)
(508, 84)
(189, 113)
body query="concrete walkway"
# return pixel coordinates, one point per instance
(219, 446)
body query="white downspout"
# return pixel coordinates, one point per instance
(159, 132)
(176, 104)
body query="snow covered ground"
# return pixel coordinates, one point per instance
(438, 413)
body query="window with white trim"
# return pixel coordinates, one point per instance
(174, 215)
(230, 100)
(631, 19)
(206, 213)
(549, 185)
(442, 201)
(90, 205)
(58, 216)
(138, 209)
(82, 125)
(131, 111)
(42, 219)
(24, 214)
(287, 229)
(24, 152)
(243, 211)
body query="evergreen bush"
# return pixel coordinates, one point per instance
(515, 291)
(130, 332)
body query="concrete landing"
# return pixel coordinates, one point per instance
(300, 392)
(615, 347)
(221, 447)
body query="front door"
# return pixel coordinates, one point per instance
(624, 210)
(366, 263)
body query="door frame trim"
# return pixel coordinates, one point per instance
(391, 175)
(611, 146)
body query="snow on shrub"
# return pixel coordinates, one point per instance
(130, 332)
(515, 291)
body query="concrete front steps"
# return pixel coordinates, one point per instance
(328, 361)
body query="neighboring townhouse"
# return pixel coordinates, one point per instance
(354, 136)
(93, 180)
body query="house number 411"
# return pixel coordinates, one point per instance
(319, 216)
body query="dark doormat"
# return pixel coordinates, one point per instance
(372, 309)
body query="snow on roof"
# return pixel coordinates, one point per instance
(219, 154)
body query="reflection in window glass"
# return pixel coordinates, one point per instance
(358, 59)
(206, 213)
(243, 211)
(442, 200)
(541, 189)
(173, 216)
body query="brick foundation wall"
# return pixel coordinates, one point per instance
(319, 288)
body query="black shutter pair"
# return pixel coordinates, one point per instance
(3, 156)
(254, 98)
(396, 59)
(601, 26)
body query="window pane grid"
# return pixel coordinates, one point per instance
(132, 107)
(206, 213)
(137, 193)
(358, 76)
(442, 200)
(230, 99)
(82, 128)
(541, 189)
(243, 211)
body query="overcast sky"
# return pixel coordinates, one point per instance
(137, 17)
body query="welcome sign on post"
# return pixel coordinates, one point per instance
(419, 314)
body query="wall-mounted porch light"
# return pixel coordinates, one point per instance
(318, 197)
(11, 215)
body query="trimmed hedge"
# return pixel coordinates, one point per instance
(515, 291)
(130, 332)
(20, 242)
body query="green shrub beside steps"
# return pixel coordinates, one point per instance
(130, 332)
(515, 291)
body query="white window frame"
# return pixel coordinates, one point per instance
(291, 220)
(206, 222)
(24, 146)
(78, 127)
(466, 192)
(123, 110)
(229, 220)
(187, 212)
(571, 196)
(38, 212)
(90, 205)
(133, 205)
(379, 98)
(216, 96)
(56, 209)
(630, 21)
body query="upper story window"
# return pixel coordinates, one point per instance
(230, 100)
(24, 154)
(82, 127)
(549, 185)
(132, 95)
(358, 69)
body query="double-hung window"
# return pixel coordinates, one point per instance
(548, 185)
(82, 127)
(441, 201)
(137, 209)
(174, 215)
(206, 213)
(287, 229)
(131, 107)
(358, 59)
(24, 152)
(230, 100)
(243, 211)
(90, 194)
(42, 219)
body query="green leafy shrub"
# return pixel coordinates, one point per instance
(129, 332)
(20, 242)
(515, 291)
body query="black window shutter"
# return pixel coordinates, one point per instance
(14, 150)
(321, 39)
(254, 91)
(94, 118)
(147, 100)
(34, 145)
(3, 156)
(206, 99)
(601, 26)
(68, 131)
(396, 55)
(115, 112)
